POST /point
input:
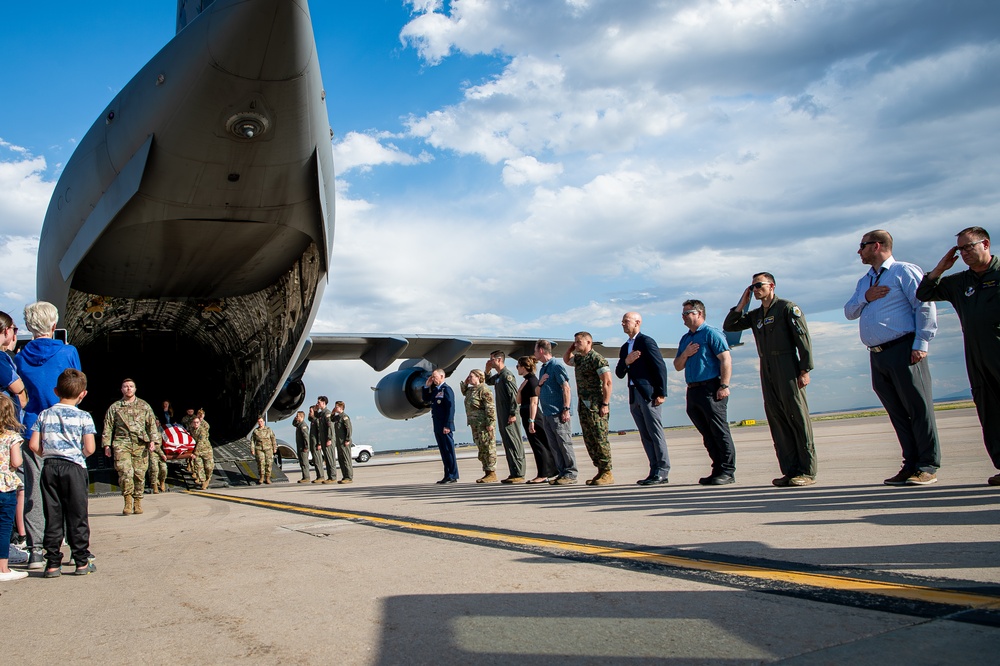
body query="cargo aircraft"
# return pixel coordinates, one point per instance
(188, 242)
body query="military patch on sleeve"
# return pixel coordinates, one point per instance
(796, 312)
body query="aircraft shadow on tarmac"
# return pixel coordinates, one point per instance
(654, 627)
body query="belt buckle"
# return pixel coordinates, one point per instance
(875, 349)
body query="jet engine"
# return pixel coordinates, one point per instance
(289, 399)
(399, 395)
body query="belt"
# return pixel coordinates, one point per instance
(892, 343)
(704, 383)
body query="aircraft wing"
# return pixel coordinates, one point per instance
(381, 351)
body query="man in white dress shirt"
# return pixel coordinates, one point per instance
(897, 329)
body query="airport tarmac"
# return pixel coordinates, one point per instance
(395, 569)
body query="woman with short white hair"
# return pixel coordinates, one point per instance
(39, 364)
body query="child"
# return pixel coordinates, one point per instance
(10, 459)
(63, 436)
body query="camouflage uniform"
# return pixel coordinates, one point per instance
(204, 459)
(341, 435)
(482, 418)
(589, 368)
(262, 445)
(186, 421)
(128, 430)
(157, 468)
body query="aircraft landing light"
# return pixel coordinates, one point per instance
(834, 588)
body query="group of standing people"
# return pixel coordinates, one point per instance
(46, 499)
(325, 437)
(894, 301)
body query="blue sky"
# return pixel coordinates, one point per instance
(538, 167)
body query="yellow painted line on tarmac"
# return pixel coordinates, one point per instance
(824, 581)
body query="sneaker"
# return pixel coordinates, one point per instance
(801, 480)
(20, 541)
(304, 481)
(86, 569)
(52, 573)
(899, 479)
(36, 559)
(316, 481)
(564, 481)
(329, 481)
(921, 479)
(994, 480)
(346, 481)
(17, 555)
(12, 575)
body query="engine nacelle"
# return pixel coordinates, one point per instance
(399, 395)
(289, 399)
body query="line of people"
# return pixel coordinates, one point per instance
(894, 302)
(325, 438)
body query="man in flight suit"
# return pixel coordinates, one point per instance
(975, 295)
(342, 431)
(785, 352)
(506, 403)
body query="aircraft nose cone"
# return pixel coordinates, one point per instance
(267, 40)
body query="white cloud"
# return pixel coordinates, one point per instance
(528, 170)
(362, 151)
(24, 192)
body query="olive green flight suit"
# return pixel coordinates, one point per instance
(976, 299)
(785, 351)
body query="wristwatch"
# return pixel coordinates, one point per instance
(723, 385)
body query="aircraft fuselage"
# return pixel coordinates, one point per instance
(188, 240)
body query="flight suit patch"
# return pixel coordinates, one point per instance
(970, 291)
(796, 312)
(769, 320)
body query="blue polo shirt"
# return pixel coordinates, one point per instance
(551, 394)
(704, 365)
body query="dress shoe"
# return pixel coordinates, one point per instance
(654, 480)
(451, 480)
(994, 480)
(444, 480)
(899, 479)
(781, 481)
(717, 480)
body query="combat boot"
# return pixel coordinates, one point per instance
(163, 486)
(204, 485)
(489, 477)
(267, 479)
(137, 505)
(603, 479)
(127, 511)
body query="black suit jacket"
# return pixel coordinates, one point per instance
(648, 374)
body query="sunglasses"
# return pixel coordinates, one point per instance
(758, 285)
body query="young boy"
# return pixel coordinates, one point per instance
(63, 436)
